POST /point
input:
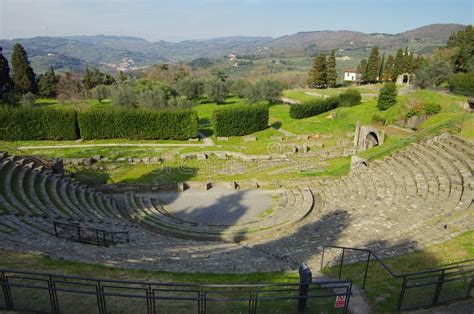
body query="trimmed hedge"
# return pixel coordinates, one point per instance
(138, 124)
(349, 98)
(313, 107)
(20, 124)
(240, 120)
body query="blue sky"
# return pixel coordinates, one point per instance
(177, 20)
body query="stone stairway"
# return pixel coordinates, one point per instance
(293, 206)
(417, 196)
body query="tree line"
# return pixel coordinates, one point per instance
(164, 86)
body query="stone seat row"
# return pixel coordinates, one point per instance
(293, 206)
(26, 189)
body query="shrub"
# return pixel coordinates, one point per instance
(28, 100)
(240, 120)
(377, 117)
(462, 83)
(387, 96)
(432, 108)
(349, 98)
(20, 124)
(216, 90)
(138, 124)
(154, 98)
(101, 92)
(313, 107)
(190, 88)
(180, 102)
(123, 95)
(239, 87)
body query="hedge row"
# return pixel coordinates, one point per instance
(138, 124)
(349, 98)
(240, 120)
(17, 124)
(313, 107)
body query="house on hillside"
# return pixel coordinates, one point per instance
(351, 75)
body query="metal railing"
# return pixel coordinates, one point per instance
(57, 293)
(78, 233)
(459, 275)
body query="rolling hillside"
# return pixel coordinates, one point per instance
(123, 52)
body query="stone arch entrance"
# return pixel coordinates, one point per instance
(371, 140)
(367, 136)
(405, 78)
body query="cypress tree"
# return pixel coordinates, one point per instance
(318, 73)
(122, 76)
(407, 61)
(398, 64)
(5, 80)
(381, 68)
(331, 69)
(388, 70)
(23, 75)
(47, 83)
(87, 79)
(362, 70)
(373, 65)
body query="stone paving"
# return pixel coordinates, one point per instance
(417, 196)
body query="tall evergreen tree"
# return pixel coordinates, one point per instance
(408, 61)
(398, 64)
(362, 70)
(87, 79)
(373, 65)
(23, 75)
(381, 68)
(388, 69)
(318, 73)
(5, 80)
(122, 76)
(331, 69)
(47, 83)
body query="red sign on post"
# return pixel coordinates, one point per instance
(340, 301)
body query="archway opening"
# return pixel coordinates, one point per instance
(371, 140)
(406, 78)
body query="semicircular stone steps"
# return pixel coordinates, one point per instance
(294, 205)
(28, 190)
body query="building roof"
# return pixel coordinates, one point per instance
(352, 70)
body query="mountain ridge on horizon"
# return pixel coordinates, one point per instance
(116, 51)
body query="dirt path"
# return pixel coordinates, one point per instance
(206, 143)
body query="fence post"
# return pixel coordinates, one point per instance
(7, 292)
(55, 229)
(471, 286)
(366, 270)
(322, 259)
(306, 277)
(342, 262)
(439, 286)
(402, 294)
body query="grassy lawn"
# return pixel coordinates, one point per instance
(344, 121)
(382, 290)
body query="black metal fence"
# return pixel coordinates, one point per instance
(453, 282)
(60, 294)
(78, 233)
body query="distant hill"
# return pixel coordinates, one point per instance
(113, 53)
